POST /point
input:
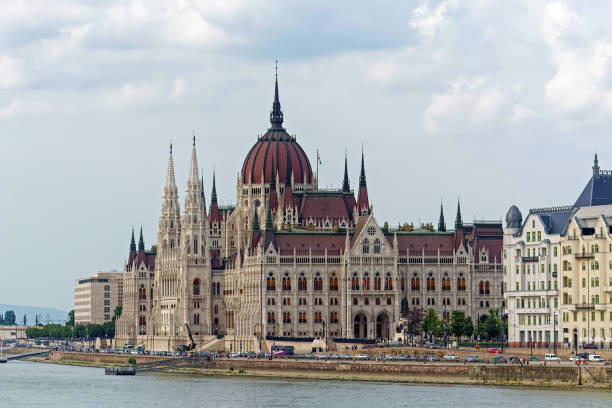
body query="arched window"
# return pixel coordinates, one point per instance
(333, 282)
(388, 282)
(403, 284)
(431, 283)
(196, 318)
(486, 287)
(318, 282)
(301, 283)
(446, 282)
(365, 246)
(377, 246)
(195, 245)
(216, 309)
(271, 317)
(142, 293)
(318, 317)
(196, 286)
(302, 317)
(415, 284)
(270, 283)
(286, 317)
(142, 320)
(481, 287)
(377, 281)
(286, 282)
(218, 288)
(355, 282)
(366, 282)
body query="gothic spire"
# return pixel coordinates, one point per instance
(441, 223)
(256, 221)
(346, 187)
(194, 181)
(595, 166)
(276, 116)
(141, 246)
(213, 195)
(362, 177)
(133, 242)
(269, 223)
(202, 188)
(170, 180)
(458, 220)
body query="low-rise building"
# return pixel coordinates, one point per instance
(96, 297)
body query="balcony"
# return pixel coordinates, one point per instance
(584, 256)
(585, 306)
(530, 258)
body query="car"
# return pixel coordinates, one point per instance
(494, 350)
(450, 357)
(591, 346)
(471, 359)
(533, 358)
(390, 357)
(322, 356)
(433, 358)
(596, 358)
(514, 360)
(362, 356)
(577, 358)
(233, 355)
(298, 355)
(431, 346)
(583, 355)
(345, 356)
(499, 360)
(551, 357)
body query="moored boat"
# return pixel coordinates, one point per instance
(120, 371)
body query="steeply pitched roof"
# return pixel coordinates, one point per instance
(554, 219)
(598, 190)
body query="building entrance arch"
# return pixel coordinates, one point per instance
(382, 325)
(360, 326)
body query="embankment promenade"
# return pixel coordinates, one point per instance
(409, 372)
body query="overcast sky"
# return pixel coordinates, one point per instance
(493, 102)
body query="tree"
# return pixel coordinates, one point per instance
(9, 318)
(457, 323)
(492, 325)
(25, 320)
(1, 318)
(431, 322)
(70, 321)
(404, 307)
(117, 313)
(468, 327)
(414, 319)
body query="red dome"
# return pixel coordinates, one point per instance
(274, 149)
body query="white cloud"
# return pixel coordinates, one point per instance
(68, 40)
(428, 21)
(131, 95)
(180, 86)
(10, 72)
(466, 102)
(581, 79)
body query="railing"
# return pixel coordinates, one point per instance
(585, 306)
(530, 259)
(584, 255)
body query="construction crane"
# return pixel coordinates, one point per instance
(190, 348)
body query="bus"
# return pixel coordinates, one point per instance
(281, 351)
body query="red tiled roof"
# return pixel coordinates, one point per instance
(304, 242)
(322, 207)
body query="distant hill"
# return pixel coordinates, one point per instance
(45, 314)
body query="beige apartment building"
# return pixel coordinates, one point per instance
(96, 297)
(586, 281)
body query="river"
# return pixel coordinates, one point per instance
(25, 384)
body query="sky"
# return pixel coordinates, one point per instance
(495, 103)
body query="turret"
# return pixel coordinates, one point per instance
(363, 203)
(170, 221)
(441, 223)
(276, 116)
(213, 214)
(346, 187)
(458, 220)
(595, 166)
(141, 246)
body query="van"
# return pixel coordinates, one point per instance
(595, 358)
(551, 357)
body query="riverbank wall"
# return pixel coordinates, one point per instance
(441, 373)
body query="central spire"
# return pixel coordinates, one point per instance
(276, 116)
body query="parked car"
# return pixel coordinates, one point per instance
(450, 357)
(494, 350)
(551, 357)
(322, 356)
(362, 356)
(577, 358)
(533, 358)
(583, 355)
(514, 360)
(345, 356)
(233, 355)
(596, 358)
(431, 346)
(433, 358)
(471, 359)
(499, 360)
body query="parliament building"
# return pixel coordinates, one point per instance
(294, 262)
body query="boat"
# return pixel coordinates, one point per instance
(120, 371)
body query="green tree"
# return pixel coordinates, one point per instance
(70, 321)
(457, 323)
(431, 322)
(414, 320)
(117, 313)
(9, 318)
(468, 326)
(492, 326)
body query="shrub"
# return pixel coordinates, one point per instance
(132, 360)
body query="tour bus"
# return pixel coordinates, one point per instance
(281, 351)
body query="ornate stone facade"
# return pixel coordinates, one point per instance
(292, 260)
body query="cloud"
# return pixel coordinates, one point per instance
(466, 102)
(428, 21)
(520, 113)
(180, 85)
(582, 78)
(7, 112)
(10, 72)
(68, 40)
(131, 95)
